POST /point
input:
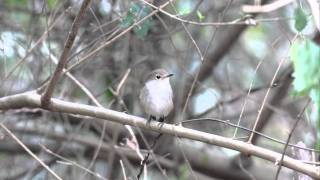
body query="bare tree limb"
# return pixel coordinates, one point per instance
(45, 99)
(33, 100)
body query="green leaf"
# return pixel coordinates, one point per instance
(136, 12)
(108, 94)
(51, 3)
(127, 21)
(184, 7)
(300, 19)
(306, 63)
(184, 11)
(200, 16)
(132, 15)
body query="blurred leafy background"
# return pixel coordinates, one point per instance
(241, 56)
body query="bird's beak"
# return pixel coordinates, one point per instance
(169, 75)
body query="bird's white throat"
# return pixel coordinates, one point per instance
(160, 88)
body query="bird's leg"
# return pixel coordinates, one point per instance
(150, 118)
(161, 121)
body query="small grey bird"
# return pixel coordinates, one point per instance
(156, 95)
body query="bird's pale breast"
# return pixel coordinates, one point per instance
(156, 97)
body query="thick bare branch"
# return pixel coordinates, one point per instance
(31, 99)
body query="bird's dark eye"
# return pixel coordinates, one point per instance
(158, 77)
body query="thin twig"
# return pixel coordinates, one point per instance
(265, 99)
(45, 99)
(189, 34)
(266, 95)
(123, 80)
(265, 8)
(234, 22)
(144, 161)
(299, 116)
(202, 62)
(29, 151)
(123, 170)
(77, 82)
(103, 37)
(227, 122)
(150, 152)
(94, 100)
(116, 37)
(246, 98)
(41, 39)
(31, 172)
(69, 162)
(80, 139)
